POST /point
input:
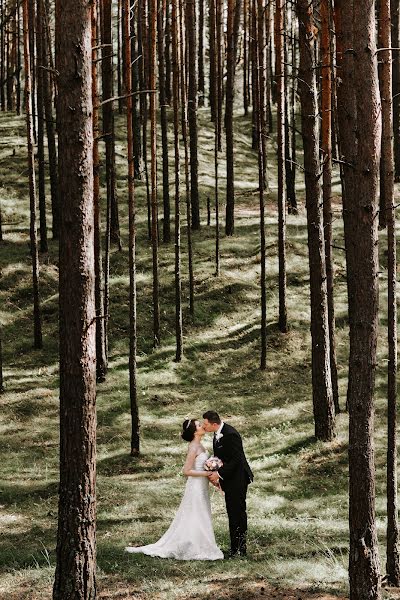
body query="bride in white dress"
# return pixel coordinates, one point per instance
(190, 535)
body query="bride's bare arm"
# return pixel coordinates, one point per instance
(188, 470)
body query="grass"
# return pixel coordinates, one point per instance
(297, 505)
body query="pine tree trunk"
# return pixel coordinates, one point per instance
(201, 86)
(108, 117)
(216, 98)
(245, 57)
(153, 144)
(164, 121)
(101, 357)
(324, 414)
(32, 54)
(135, 423)
(234, 9)
(279, 49)
(326, 147)
(40, 113)
(1, 360)
(395, 19)
(387, 187)
(213, 60)
(192, 111)
(19, 65)
(76, 538)
(361, 239)
(51, 140)
(168, 68)
(37, 321)
(257, 95)
(184, 118)
(175, 88)
(2, 55)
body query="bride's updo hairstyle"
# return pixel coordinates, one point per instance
(188, 429)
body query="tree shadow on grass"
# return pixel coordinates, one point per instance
(124, 464)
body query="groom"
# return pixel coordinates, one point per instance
(234, 477)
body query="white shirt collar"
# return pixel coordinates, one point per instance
(217, 433)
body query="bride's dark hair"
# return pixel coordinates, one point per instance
(188, 429)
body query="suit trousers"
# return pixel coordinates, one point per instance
(235, 500)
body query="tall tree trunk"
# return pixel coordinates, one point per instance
(51, 140)
(201, 85)
(280, 80)
(2, 54)
(257, 95)
(168, 68)
(164, 120)
(245, 57)
(153, 143)
(1, 360)
(184, 112)
(76, 538)
(178, 284)
(234, 8)
(32, 54)
(137, 146)
(361, 238)
(213, 59)
(135, 423)
(108, 116)
(37, 321)
(324, 414)
(395, 19)
(216, 98)
(192, 111)
(18, 65)
(40, 113)
(326, 120)
(387, 188)
(101, 356)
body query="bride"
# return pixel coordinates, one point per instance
(190, 535)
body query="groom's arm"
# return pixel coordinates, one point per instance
(233, 456)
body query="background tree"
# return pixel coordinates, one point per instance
(324, 416)
(192, 111)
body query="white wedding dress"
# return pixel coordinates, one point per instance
(191, 534)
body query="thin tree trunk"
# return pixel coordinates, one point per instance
(101, 357)
(168, 68)
(164, 121)
(2, 54)
(40, 113)
(37, 324)
(153, 142)
(326, 120)
(279, 49)
(186, 152)
(395, 21)
(234, 8)
(75, 575)
(245, 57)
(108, 116)
(18, 66)
(135, 423)
(324, 413)
(192, 111)
(201, 86)
(257, 94)
(361, 239)
(178, 284)
(387, 190)
(216, 97)
(51, 140)
(32, 54)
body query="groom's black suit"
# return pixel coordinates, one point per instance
(235, 477)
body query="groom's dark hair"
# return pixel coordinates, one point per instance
(212, 417)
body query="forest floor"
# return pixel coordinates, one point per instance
(297, 506)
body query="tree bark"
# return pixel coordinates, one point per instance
(201, 86)
(395, 21)
(75, 576)
(234, 9)
(326, 147)
(192, 111)
(387, 188)
(40, 113)
(164, 121)
(175, 88)
(135, 422)
(37, 321)
(101, 346)
(324, 414)
(153, 143)
(361, 239)
(280, 80)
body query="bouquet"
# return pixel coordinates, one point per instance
(213, 464)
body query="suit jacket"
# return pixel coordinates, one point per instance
(229, 448)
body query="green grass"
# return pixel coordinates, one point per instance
(298, 503)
